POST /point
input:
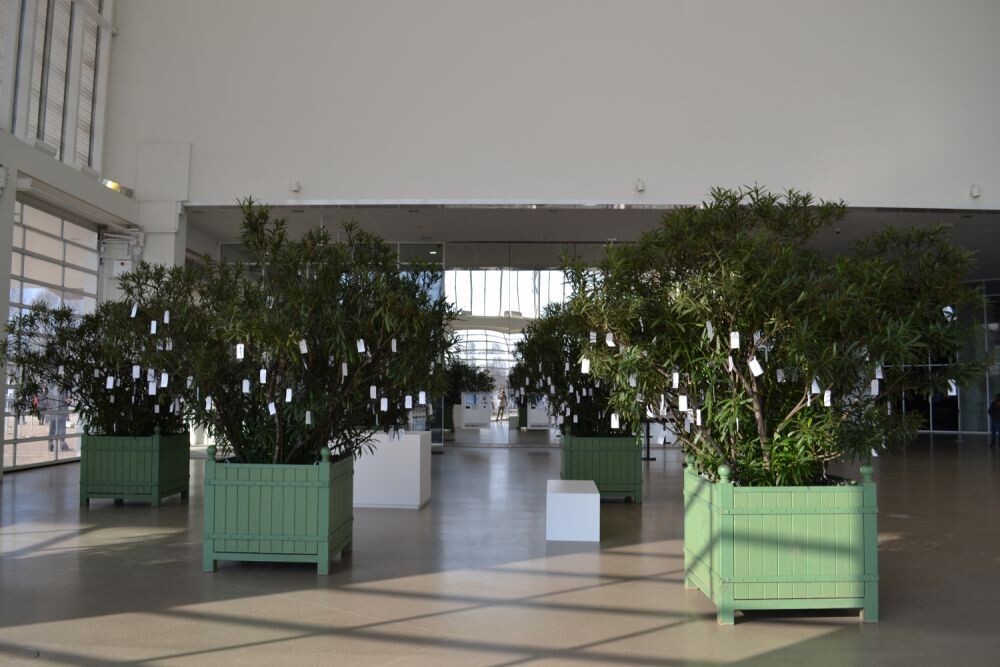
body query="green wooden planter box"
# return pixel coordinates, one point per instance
(796, 547)
(522, 415)
(278, 513)
(137, 468)
(615, 464)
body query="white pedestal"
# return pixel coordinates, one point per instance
(572, 511)
(397, 474)
(538, 415)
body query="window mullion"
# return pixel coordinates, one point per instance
(25, 68)
(8, 77)
(101, 89)
(43, 92)
(71, 107)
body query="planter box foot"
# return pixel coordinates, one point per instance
(726, 616)
(209, 565)
(689, 584)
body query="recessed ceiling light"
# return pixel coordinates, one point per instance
(434, 252)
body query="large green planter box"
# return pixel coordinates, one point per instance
(615, 464)
(795, 547)
(278, 513)
(522, 415)
(136, 468)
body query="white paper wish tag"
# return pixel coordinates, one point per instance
(566, 368)
(780, 374)
(240, 349)
(815, 386)
(593, 336)
(948, 312)
(343, 369)
(422, 398)
(756, 368)
(152, 327)
(734, 340)
(560, 420)
(392, 345)
(827, 398)
(361, 346)
(156, 409)
(878, 372)
(150, 375)
(576, 419)
(609, 340)
(408, 401)
(135, 310)
(62, 371)
(246, 386)
(166, 317)
(309, 417)
(632, 381)
(288, 395)
(874, 388)
(152, 389)
(208, 402)
(303, 346)
(675, 380)
(190, 381)
(731, 365)
(109, 383)
(682, 403)
(384, 405)
(697, 417)
(164, 379)
(272, 409)
(585, 365)
(709, 330)
(952, 388)
(614, 420)
(373, 392)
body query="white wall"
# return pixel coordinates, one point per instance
(888, 102)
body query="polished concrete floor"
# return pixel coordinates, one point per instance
(470, 580)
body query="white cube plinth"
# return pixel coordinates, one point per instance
(572, 511)
(397, 474)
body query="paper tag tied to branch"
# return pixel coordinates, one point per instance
(874, 388)
(815, 389)
(408, 402)
(272, 409)
(780, 374)
(756, 368)
(303, 346)
(288, 395)
(164, 379)
(675, 380)
(609, 340)
(593, 336)
(393, 345)
(585, 366)
(827, 398)
(166, 317)
(709, 330)
(734, 340)
(422, 398)
(263, 376)
(682, 403)
(240, 350)
(246, 386)
(384, 405)
(361, 346)
(373, 392)
(135, 310)
(614, 420)
(152, 327)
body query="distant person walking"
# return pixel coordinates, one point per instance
(994, 413)
(502, 405)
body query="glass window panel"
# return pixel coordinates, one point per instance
(18, 240)
(81, 305)
(8, 455)
(32, 293)
(78, 256)
(42, 220)
(15, 291)
(15, 263)
(41, 270)
(43, 244)
(81, 281)
(77, 234)
(88, 80)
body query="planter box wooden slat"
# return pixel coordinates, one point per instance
(134, 467)
(614, 464)
(810, 547)
(277, 513)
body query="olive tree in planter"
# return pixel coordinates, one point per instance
(311, 349)
(773, 362)
(123, 369)
(553, 362)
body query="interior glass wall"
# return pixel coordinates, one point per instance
(54, 261)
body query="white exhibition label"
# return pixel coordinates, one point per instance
(309, 417)
(709, 330)
(585, 365)
(393, 345)
(632, 381)
(780, 374)
(110, 384)
(272, 409)
(408, 401)
(815, 386)
(697, 417)
(734, 340)
(288, 395)
(152, 327)
(952, 388)
(135, 309)
(609, 340)
(208, 402)
(361, 345)
(164, 379)
(593, 336)
(343, 369)
(756, 368)
(874, 387)
(614, 420)
(152, 389)
(384, 405)
(303, 347)
(422, 398)
(246, 386)
(239, 350)
(827, 398)
(373, 392)
(878, 372)
(263, 376)
(682, 403)
(166, 317)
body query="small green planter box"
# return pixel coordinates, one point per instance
(615, 464)
(137, 468)
(278, 513)
(795, 547)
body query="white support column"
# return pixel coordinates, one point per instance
(9, 72)
(8, 182)
(162, 173)
(22, 104)
(71, 109)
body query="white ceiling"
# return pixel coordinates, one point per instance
(472, 233)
